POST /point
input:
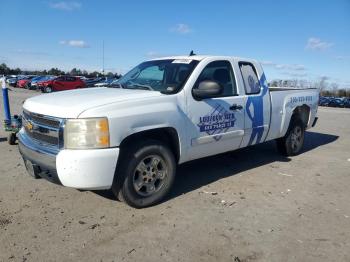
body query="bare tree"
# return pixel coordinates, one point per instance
(334, 88)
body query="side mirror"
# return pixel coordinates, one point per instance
(207, 89)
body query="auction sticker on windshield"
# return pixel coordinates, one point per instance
(182, 61)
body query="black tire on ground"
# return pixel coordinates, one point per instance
(47, 89)
(292, 143)
(145, 173)
(32, 170)
(11, 138)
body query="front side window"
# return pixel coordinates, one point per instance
(220, 72)
(166, 76)
(60, 78)
(250, 78)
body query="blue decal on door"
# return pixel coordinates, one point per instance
(216, 122)
(258, 109)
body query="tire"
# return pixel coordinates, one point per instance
(11, 138)
(145, 174)
(47, 89)
(292, 143)
(32, 170)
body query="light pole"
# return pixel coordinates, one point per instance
(103, 57)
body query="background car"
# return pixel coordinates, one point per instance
(104, 82)
(347, 103)
(336, 102)
(13, 81)
(36, 80)
(114, 83)
(22, 83)
(61, 83)
(92, 81)
(10, 77)
(323, 101)
(32, 84)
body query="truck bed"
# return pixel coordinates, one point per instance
(284, 101)
(278, 88)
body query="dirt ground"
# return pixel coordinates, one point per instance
(247, 205)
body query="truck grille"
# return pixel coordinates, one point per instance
(43, 129)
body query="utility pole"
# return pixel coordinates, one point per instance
(103, 57)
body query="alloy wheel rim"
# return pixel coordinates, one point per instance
(149, 175)
(296, 139)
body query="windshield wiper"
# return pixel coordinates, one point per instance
(139, 86)
(115, 85)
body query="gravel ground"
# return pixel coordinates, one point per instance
(247, 205)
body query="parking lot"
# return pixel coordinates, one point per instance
(246, 205)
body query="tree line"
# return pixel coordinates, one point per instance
(5, 70)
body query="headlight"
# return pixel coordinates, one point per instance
(86, 133)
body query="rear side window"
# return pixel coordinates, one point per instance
(71, 79)
(220, 72)
(250, 78)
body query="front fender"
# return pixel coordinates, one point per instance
(131, 117)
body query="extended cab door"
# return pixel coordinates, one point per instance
(258, 104)
(216, 124)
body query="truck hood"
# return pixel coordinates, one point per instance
(70, 104)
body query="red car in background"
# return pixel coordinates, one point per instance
(22, 83)
(61, 83)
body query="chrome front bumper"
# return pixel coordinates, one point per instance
(92, 169)
(43, 159)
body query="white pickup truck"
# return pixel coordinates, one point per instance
(164, 112)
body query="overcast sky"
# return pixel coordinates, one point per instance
(293, 39)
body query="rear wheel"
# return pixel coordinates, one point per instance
(292, 143)
(145, 174)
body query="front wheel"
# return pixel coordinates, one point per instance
(145, 174)
(292, 143)
(11, 138)
(47, 89)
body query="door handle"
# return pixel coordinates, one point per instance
(236, 107)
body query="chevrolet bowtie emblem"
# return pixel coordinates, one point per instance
(29, 126)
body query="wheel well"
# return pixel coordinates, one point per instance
(167, 135)
(303, 113)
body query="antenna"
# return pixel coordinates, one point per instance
(192, 53)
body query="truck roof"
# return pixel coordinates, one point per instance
(201, 57)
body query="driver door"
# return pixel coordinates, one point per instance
(216, 124)
(58, 83)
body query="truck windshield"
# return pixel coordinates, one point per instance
(166, 76)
